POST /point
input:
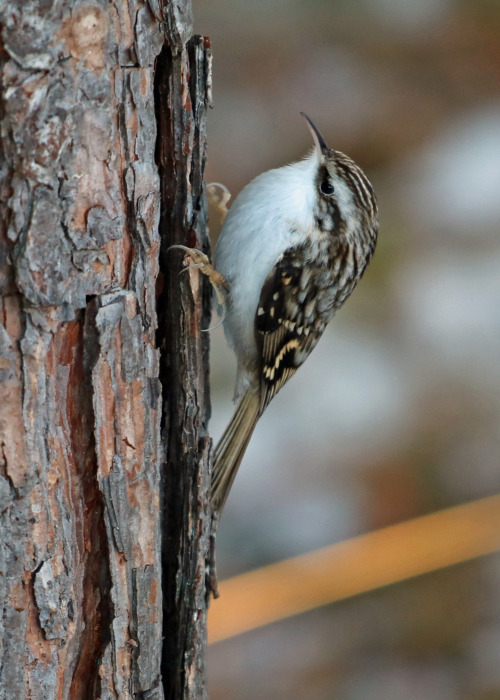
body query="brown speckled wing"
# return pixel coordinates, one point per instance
(282, 333)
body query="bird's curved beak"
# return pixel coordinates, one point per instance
(320, 143)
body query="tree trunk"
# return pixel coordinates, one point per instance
(85, 369)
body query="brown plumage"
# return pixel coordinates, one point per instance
(327, 218)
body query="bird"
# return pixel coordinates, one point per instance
(293, 247)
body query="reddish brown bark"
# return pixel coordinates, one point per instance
(81, 454)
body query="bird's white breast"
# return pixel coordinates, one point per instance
(270, 214)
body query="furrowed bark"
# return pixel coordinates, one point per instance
(183, 73)
(80, 445)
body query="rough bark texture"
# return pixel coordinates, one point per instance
(80, 410)
(183, 73)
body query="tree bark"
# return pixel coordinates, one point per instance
(85, 491)
(183, 73)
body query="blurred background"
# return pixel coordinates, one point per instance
(397, 412)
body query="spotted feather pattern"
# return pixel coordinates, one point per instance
(296, 303)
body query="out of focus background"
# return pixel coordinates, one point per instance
(397, 412)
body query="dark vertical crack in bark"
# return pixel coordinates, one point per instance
(96, 635)
(172, 499)
(98, 612)
(183, 309)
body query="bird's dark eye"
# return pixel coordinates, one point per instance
(326, 187)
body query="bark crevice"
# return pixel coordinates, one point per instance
(183, 309)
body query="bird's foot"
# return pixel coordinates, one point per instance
(203, 264)
(218, 196)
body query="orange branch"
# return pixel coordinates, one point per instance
(355, 566)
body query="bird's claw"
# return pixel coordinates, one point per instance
(203, 264)
(199, 258)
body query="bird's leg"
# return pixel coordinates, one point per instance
(201, 261)
(218, 196)
(212, 588)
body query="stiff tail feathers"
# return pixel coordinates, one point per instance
(231, 447)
